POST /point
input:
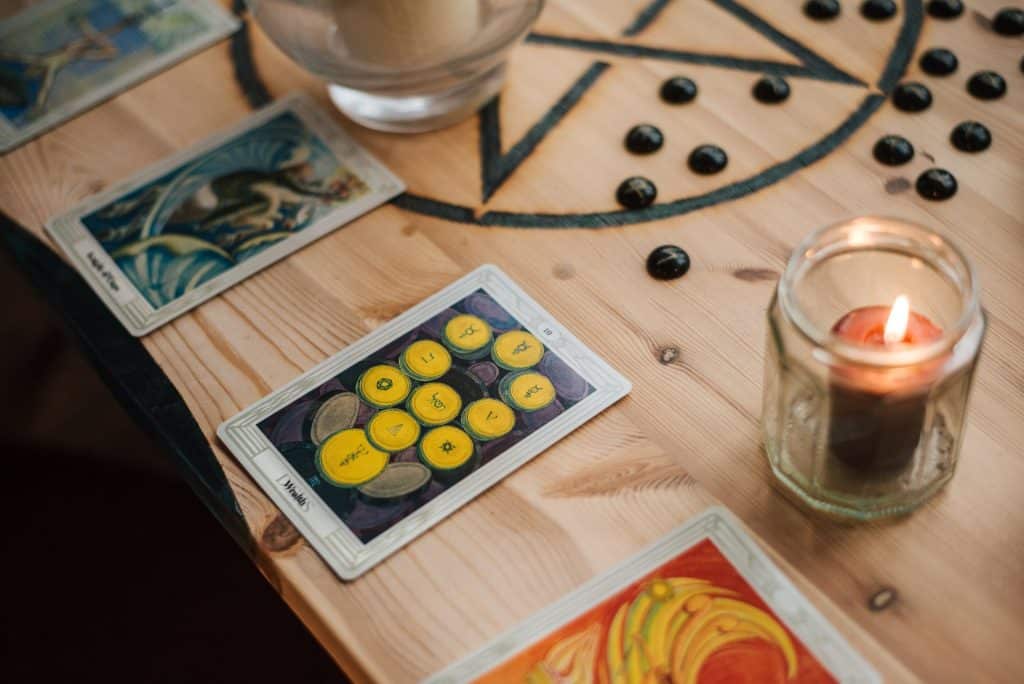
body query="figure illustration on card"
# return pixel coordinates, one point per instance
(42, 67)
(227, 205)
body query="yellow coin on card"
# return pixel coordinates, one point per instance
(446, 448)
(488, 419)
(435, 403)
(392, 430)
(383, 385)
(347, 459)
(527, 390)
(516, 350)
(425, 360)
(466, 333)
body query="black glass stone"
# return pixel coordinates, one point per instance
(771, 89)
(912, 97)
(1009, 21)
(893, 150)
(939, 62)
(945, 9)
(644, 139)
(707, 159)
(936, 184)
(971, 136)
(678, 90)
(636, 192)
(986, 85)
(668, 262)
(822, 10)
(877, 10)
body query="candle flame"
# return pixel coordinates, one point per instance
(899, 316)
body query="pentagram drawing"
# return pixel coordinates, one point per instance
(499, 163)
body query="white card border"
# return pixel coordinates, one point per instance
(220, 24)
(137, 314)
(726, 532)
(338, 546)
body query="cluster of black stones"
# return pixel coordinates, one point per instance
(669, 261)
(637, 192)
(912, 96)
(875, 10)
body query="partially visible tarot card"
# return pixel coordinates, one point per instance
(195, 224)
(60, 57)
(702, 604)
(377, 444)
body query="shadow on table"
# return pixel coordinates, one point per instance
(113, 569)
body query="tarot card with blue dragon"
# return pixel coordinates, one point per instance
(195, 224)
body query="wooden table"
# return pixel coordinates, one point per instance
(688, 435)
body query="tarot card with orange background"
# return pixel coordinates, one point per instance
(682, 613)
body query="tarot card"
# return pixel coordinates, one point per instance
(383, 440)
(195, 224)
(702, 604)
(60, 57)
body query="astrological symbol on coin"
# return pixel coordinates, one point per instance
(384, 384)
(447, 446)
(435, 402)
(521, 347)
(470, 330)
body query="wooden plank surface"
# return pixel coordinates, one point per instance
(688, 435)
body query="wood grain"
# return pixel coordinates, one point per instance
(688, 435)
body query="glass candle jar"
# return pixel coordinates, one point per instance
(401, 65)
(873, 335)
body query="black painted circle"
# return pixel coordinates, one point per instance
(668, 262)
(249, 80)
(707, 159)
(939, 62)
(771, 89)
(636, 192)
(912, 97)
(893, 150)
(945, 9)
(678, 90)
(644, 139)
(877, 10)
(1009, 21)
(987, 85)
(971, 136)
(936, 184)
(822, 10)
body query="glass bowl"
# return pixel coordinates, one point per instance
(401, 65)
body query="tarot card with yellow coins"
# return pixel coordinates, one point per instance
(380, 442)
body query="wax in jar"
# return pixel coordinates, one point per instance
(877, 414)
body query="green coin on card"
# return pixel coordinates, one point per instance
(398, 481)
(336, 413)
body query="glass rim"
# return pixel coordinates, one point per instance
(830, 345)
(494, 46)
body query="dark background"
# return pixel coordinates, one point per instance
(113, 569)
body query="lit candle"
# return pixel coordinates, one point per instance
(877, 413)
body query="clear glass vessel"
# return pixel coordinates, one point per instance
(865, 428)
(401, 65)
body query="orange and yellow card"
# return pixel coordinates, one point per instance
(703, 605)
